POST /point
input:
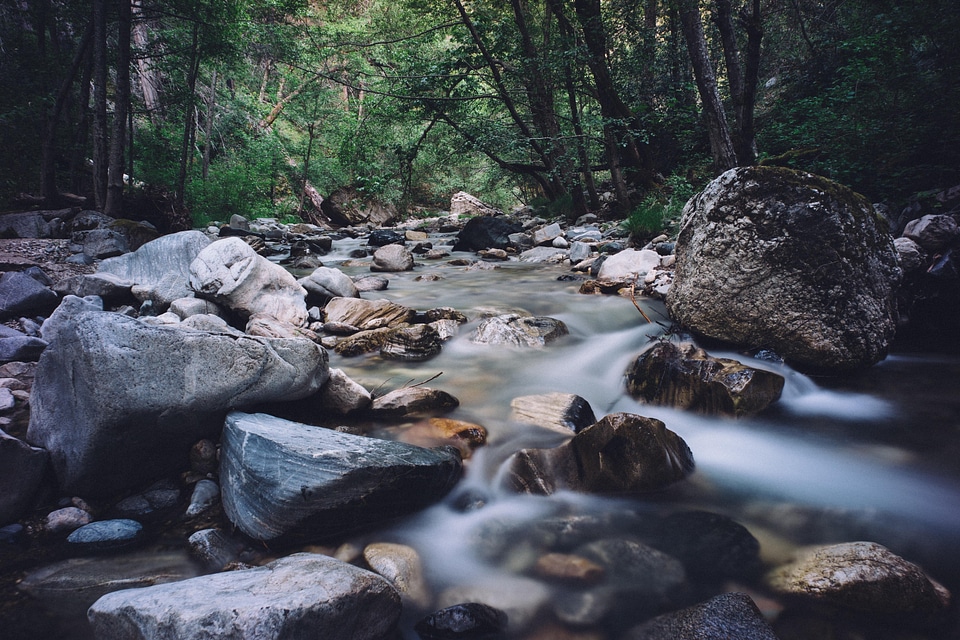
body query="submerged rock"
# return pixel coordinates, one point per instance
(781, 259)
(685, 377)
(300, 596)
(863, 576)
(729, 615)
(467, 620)
(287, 481)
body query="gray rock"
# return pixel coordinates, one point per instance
(100, 244)
(7, 399)
(911, 255)
(232, 274)
(565, 413)
(326, 283)
(366, 314)
(466, 620)
(579, 251)
(547, 234)
(239, 222)
(21, 348)
(628, 265)
(189, 306)
(392, 257)
(519, 331)
(161, 293)
(168, 254)
(341, 394)
(66, 520)
(71, 586)
(105, 285)
(621, 454)
(485, 232)
(288, 482)
(22, 295)
(214, 549)
(137, 397)
(729, 615)
(300, 596)
(462, 204)
(932, 232)
(790, 261)
(685, 377)
(206, 493)
(21, 470)
(413, 402)
(863, 576)
(106, 535)
(371, 283)
(543, 254)
(34, 224)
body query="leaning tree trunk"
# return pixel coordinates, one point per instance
(721, 145)
(114, 202)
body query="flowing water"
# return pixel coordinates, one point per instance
(871, 456)
(867, 457)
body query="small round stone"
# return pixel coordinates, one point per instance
(106, 534)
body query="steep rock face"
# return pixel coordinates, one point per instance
(117, 401)
(775, 258)
(292, 482)
(304, 595)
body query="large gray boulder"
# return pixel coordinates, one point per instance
(117, 401)
(326, 283)
(301, 596)
(288, 482)
(788, 261)
(20, 294)
(171, 254)
(232, 274)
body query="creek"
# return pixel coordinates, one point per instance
(872, 456)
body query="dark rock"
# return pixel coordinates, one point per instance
(485, 233)
(360, 342)
(685, 377)
(470, 620)
(300, 596)
(622, 453)
(729, 615)
(214, 549)
(206, 493)
(413, 402)
(285, 481)
(106, 535)
(21, 348)
(932, 232)
(21, 470)
(13, 534)
(710, 545)
(20, 294)
(383, 237)
(790, 261)
(100, 244)
(105, 285)
(415, 344)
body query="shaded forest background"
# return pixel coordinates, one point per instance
(187, 111)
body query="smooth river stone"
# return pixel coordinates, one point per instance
(292, 482)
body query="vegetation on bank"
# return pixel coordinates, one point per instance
(215, 107)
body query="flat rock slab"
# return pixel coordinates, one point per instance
(300, 596)
(292, 482)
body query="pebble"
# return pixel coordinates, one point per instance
(206, 493)
(106, 535)
(66, 520)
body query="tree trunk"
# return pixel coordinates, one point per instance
(721, 145)
(188, 118)
(100, 158)
(114, 203)
(751, 81)
(306, 168)
(149, 83)
(48, 176)
(731, 56)
(208, 126)
(80, 150)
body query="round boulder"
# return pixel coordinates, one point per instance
(789, 261)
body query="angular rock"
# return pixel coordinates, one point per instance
(21, 470)
(21, 348)
(106, 285)
(100, 244)
(284, 481)
(629, 264)
(341, 394)
(485, 232)
(863, 576)
(21, 294)
(565, 413)
(547, 234)
(932, 232)
(621, 454)
(462, 204)
(71, 586)
(367, 314)
(520, 331)
(685, 377)
(206, 493)
(168, 254)
(300, 596)
(414, 344)
(543, 254)
(326, 283)
(191, 306)
(729, 615)
(391, 258)
(214, 549)
(137, 397)
(579, 251)
(467, 620)
(413, 402)
(161, 293)
(231, 273)
(362, 342)
(789, 261)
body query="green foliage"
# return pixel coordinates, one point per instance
(659, 209)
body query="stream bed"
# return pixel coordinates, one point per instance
(873, 456)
